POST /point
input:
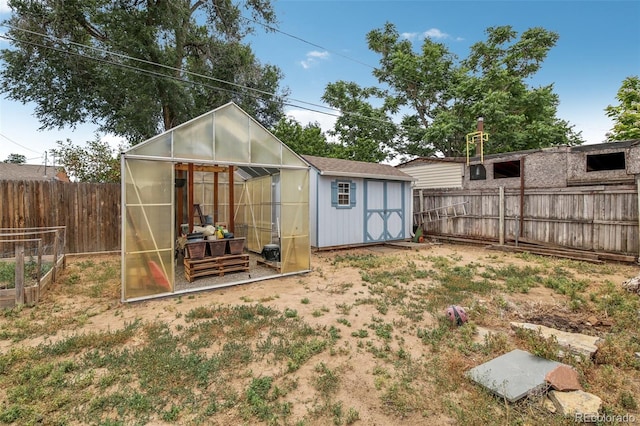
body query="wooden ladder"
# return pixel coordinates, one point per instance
(198, 211)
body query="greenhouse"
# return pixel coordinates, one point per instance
(216, 201)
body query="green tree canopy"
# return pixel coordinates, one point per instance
(16, 159)
(364, 132)
(626, 115)
(309, 139)
(441, 97)
(96, 162)
(136, 68)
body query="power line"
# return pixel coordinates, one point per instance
(335, 112)
(16, 143)
(144, 61)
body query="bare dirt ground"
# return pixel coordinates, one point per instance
(336, 294)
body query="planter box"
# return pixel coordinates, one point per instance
(216, 247)
(235, 245)
(196, 249)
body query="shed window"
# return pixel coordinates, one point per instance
(612, 161)
(343, 194)
(477, 172)
(506, 169)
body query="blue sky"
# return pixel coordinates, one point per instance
(325, 41)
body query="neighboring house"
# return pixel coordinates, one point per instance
(557, 167)
(12, 171)
(354, 203)
(583, 197)
(612, 163)
(435, 173)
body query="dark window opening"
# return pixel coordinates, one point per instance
(613, 161)
(477, 172)
(506, 169)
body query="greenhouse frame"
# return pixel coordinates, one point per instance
(224, 168)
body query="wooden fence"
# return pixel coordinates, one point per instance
(89, 211)
(598, 218)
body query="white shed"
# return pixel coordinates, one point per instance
(435, 173)
(353, 203)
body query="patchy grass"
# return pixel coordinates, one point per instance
(324, 357)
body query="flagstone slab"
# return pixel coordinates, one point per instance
(576, 403)
(577, 343)
(513, 375)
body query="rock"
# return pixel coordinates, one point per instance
(548, 405)
(576, 403)
(592, 320)
(563, 378)
(632, 285)
(637, 355)
(606, 323)
(574, 342)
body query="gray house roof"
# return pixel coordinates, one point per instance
(11, 171)
(360, 169)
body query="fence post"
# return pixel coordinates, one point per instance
(39, 270)
(19, 272)
(54, 269)
(638, 189)
(501, 222)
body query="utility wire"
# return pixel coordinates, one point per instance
(173, 77)
(334, 112)
(144, 61)
(16, 143)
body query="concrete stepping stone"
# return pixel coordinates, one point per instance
(577, 343)
(513, 375)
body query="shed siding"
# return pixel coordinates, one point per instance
(436, 175)
(338, 226)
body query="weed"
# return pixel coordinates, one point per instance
(628, 401)
(344, 321)
(360, 334)
(343, 308)
(327, 380)
(305, 301)
(290, 313)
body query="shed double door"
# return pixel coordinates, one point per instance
(384, 213)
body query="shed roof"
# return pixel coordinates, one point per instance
(12, 171)
(421, 160)
(361, 169)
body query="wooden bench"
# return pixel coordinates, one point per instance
(194, 268)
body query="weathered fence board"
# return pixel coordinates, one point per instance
(90, 211)
(590, 218)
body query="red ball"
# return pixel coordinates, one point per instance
(457, 314)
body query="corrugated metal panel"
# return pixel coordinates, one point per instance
(436, 175)
(338, 226)
(313, 207)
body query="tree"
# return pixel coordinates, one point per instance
(364, 132)
(16, 159)
(136, 68)
(97, 162)
(626, 115)
(441, 96)
(307, 140)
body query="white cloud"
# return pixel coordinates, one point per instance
(409, 36)
(313, 57)
(434, 33)
(4, 6)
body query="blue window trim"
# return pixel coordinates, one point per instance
(334, 194)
